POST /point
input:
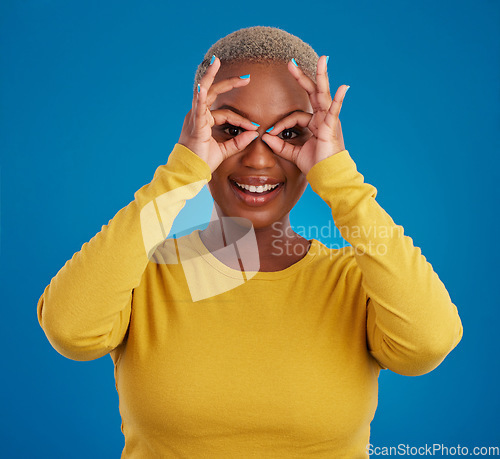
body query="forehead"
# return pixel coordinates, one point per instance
(272, 92)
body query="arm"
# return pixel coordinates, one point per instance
(85, 310)
(411, 322)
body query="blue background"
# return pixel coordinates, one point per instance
(93, 95)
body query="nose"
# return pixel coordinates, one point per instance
(258, 155)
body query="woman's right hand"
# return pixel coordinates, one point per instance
(197, 128)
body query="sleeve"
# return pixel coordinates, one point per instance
(411, 322)
(85, 310)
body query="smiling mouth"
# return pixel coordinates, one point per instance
(256, 195)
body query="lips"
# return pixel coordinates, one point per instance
(256, 190)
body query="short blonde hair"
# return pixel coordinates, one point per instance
(261, 44)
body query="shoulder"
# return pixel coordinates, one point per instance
(172, 250)
(335, 261)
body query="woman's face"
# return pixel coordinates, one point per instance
(256, 184)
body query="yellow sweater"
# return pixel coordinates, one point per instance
(280, 364)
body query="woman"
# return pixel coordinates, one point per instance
(246, 339)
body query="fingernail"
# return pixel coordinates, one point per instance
(270, 129)
(347, 88)
(255, 124)
(199, 87)
(294, 62)
(256, 135)
(213, 59)
(327, 59)
(244, 77)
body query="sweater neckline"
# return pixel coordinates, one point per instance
(213, 261)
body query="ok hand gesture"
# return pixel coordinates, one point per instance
(196, 131)
(324, 123)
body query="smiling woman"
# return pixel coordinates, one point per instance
(246, 339)
(270, 95)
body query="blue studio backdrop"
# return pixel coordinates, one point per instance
(93, 96)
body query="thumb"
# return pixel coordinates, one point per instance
(238, 143)
(282, 148)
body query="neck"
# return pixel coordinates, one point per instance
(277, 245)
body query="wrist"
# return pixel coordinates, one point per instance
(182, 154)
(193, 148)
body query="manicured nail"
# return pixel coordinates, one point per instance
(255, 124)
(347, 88)
(327, 59)
(270, 129)
(294, 62)
(213, 59)
(244, 77)
(199, 87)
(256, 135)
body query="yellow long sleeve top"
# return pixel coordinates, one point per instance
(279, 364)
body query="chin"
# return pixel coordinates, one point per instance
(262, 223)
(257, 221)
(257, 218)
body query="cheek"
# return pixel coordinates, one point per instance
(301, 187)
(299, 184)
(294, 175)
(216, 189)
(218, 184)
(214, 185)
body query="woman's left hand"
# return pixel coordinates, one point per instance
(324, 123)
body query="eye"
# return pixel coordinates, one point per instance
(231, 130)
(288, 134)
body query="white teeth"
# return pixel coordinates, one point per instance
(257, 189)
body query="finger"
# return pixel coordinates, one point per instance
(207, 79)
(301, 119)
(200, 110)
(323, 87)
(305, 82)
(282, 148)
(237, 143)
(334, 111)
(340, 135)
(224, 86)
(228, 116)
(302, 78)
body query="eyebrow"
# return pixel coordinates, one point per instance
(239, 112)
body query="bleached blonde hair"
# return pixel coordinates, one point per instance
(261, 44)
